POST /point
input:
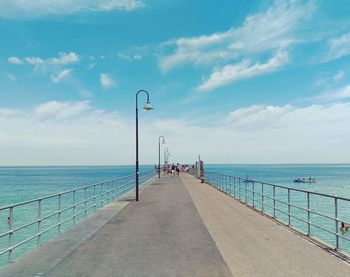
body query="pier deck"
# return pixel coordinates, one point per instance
(161, 235)
(254, 245)
(183, 228)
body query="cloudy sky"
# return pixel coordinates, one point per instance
(233, 80)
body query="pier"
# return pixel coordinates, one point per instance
(180, 227)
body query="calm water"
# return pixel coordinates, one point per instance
(19, 184)
(23, 183)
(331, 180)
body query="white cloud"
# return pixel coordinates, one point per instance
(35, 61)
(339, 76)
(9, 112)
(61, 75)
(39, 8)
(15, 60)
(128, 57)
(339, 94)
(338, 48)
(76, 133)
(48, 64)
(245, 69)
(11, 77)
(262, 32)
(124, 56)
(127, 5)
(62, 59)
(137, 57)
(107, 81)
(61, 110)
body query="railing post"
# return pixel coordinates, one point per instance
(274, 201)
(253, 185)
(245, 190)
(222, 182)
(101, 195)
(234, 187)
(10, 223)
(59, 213)
(308, 215)
(262, 197)
(85, 212)
(239, 187)
(74, 207)
(336, 222)
(39, 222)
(107, 200)
(94, 198)
(118, 186)
(230, 185)
(288, 206)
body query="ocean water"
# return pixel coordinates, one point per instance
(18, 184)
(331, 179)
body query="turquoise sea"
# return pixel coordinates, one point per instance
(19, 184)
(331, 179)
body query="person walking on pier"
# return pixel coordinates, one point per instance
(178, 169)
(173, 170)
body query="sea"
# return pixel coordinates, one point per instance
(331, 180)
(19, 184)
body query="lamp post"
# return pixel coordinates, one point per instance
(147, 107)
(159, 153)
(166, 155)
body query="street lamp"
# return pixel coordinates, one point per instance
(159, 154)
(147, 107)
(166, 155)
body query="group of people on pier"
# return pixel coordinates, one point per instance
(174, 169)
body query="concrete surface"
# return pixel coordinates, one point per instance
(253, 245)
(161, 235)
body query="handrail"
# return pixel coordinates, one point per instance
(257, 195)
(62, 193)
(61, 208)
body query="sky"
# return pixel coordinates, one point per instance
(235, 81)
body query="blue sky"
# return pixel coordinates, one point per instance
(236, 81)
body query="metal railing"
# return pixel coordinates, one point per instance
(47, 216)
(306, 211)
(192, 171)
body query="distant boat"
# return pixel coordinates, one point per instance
(305, 180)
(248, 180)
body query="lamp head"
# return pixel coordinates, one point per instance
(148, 106)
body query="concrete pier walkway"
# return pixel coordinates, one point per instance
(254, 245)
(179, 227)
(161, 235)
